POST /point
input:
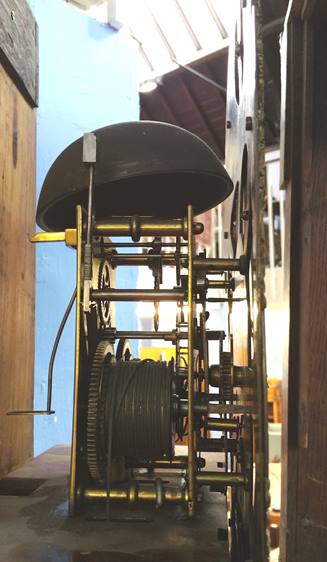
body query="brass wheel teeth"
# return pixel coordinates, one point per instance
(226, 371)
(94, 412)
(104, 317)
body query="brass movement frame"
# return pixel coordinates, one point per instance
(73, 460)
(190, 367)
(79, 490)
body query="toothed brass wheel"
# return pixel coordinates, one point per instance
(226, 386)
(104, 283)
(95, 410)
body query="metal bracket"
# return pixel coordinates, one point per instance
(89, 158)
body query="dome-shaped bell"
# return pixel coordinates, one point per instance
(143, 168)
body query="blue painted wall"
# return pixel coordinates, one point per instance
(87, 80)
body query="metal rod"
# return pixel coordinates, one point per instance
(105, 244)
(30, 413)
(243, 376)
(199, 75)
(210, 265)
(271, 238)
(230, 409)
(141, 259)
(90, 206)
(224, 478)
(273, 27)
(145, 226)
(217, 445)
(218, 264)
(135, 491)
(176, 463)
(218, 424)
(151, 335)
(89, 159)
(198, 408)
(282, 224)
(205, 350)
(220, 284)
(138, 295)
(147, 335)
(190, 366)
(225, 300)
(49, 411)
(88, 250)
(216, 335)
(55, 347)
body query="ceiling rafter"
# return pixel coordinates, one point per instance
(167, 106)
(146, 114)
(163, 37)
(216, 19)
(220, 94)
(188, 26)
(142, 50)
(203, 118)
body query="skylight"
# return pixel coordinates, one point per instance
(169, 32)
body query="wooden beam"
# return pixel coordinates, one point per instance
(216, 19)
(209, 73)
(144, 116)
(203, 118)
(17, 219)
(144, 107)
(188, 26)
(143, 52)
(167, 106)
(163, 37)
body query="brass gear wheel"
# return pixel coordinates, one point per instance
(95, 411)
(104, 283)
(124, 350)
(226, 385)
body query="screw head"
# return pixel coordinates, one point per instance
(248, 123)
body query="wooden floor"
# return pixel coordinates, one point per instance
(36, 528)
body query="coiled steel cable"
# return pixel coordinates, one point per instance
(138, 418)
(139, 395)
